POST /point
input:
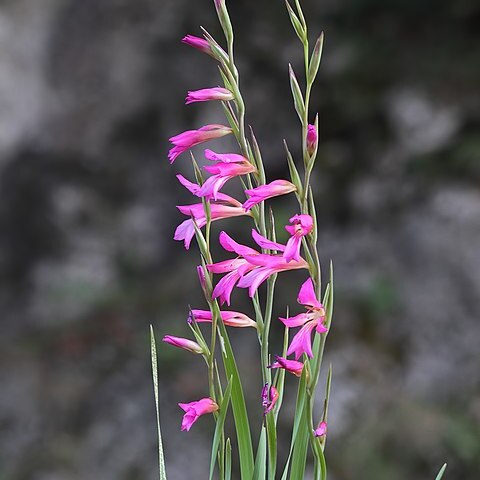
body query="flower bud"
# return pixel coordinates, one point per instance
(184, 343)
(312, 139)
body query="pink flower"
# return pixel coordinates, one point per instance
(224, 207)
(198, 43)
(207, 94)
(302, 225)
(231, 319)
(312, 139)
(263, 192)
(269, 398)
(194, 410)
(321, 430)
(184, 343)
(291, 366)
(314, 318)
(186, 140)
(228, 166)
(251, 270)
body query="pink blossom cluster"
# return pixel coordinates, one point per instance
(249, 267)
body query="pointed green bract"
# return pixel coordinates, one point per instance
(315, 59)
(153, 351)
(298, 101)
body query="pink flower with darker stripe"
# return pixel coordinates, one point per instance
(313, 319)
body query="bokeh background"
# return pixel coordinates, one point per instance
(89, 93)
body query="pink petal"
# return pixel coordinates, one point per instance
(296, 321)
(302, 341)
(306, 295)
(266, 243)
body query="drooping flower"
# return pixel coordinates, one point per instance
(184, 343)
(301, 225)
(269, 398)
(312, 139)
(291, 366)
(224, 207)
(207, 94)
(186, 140)
(231, 319)
(227, 166)
(313, 319)
(321, 430)
(252, 268)
(194, 410)
(263, 192)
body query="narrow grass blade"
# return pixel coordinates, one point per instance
(153, 350)
(219, 426)
(441, 472)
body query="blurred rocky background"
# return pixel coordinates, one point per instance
(89, 93)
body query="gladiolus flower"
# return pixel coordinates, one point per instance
(302, 225)
(201, 277)
(186, 140)
(231, 319)
(321, 430)
(207, 94)
(228, 166)
(314, 318)
(194, 410)
(198, 43)
(251, 270)
(291, 366)
(269, 398)
(312, 139)
(224, 207)
(263, 192)
(184, 343)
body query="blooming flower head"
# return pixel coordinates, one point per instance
(231, 319)
(252, 268)
(263, 192)
(301, 225)
(186, 140)
(313, 319)
(184, 343)
(194, 410)
(269, 398)
(291, 366)
(227, 166)
(312, 139)
(321, 430)
(224, 207)
(207, 94)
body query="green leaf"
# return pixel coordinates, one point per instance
(260, 461)
(219, 426)
(228, 460)
(239, 408)
(297, 94)
(153, 351)
(441, 472)
(300, 449)
(315, 59)
(272, 445)
(297, 422)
